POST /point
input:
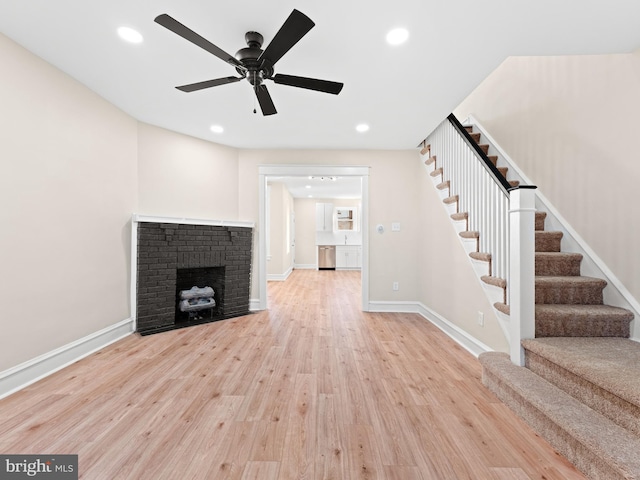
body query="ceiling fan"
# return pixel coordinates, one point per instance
(254, 64)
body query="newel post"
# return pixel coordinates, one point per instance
(522, 212)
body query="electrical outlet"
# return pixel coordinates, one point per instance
(396, 286)
(481, 319)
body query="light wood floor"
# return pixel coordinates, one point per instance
(311, 389)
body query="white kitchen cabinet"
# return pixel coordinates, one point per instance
(349, 257)
(324, 217)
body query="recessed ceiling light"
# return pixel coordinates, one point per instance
(216, 129)
(307, 186)
(310, 196)
(130, 35)
(397, 36)
(363, 127)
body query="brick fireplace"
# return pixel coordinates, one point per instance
(173, 257)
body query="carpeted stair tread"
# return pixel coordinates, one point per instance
(451, 199)
(493, 159)
(484, 148)
(548, 241)
(502, 307)
(495, 281)
(443, 185)
(557, 263)
(540, 218)
(436, 172)
(469, 234)
(475, 137)
(569, 290)
(597, 446)
(482, 256)
(426, 149)
(459, 216)
(430, 160)
(562, 320)
(611, 363)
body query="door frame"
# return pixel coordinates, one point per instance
(265, 172)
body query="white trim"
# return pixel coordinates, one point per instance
(394, 307)
(20, 376)
(279, 277)
(471, 344)
(191, 221)
(306, 170)
(305, 266)
(254, 305)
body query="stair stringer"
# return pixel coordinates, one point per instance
(494, 294)
(615, 293)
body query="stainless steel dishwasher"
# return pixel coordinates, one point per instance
(326, 257)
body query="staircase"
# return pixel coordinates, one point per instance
(580, 387)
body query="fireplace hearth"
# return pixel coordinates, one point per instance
(188, 274)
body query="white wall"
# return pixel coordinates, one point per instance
(281, 208)
(571, 124)
(67, 190)
(182, 176)
(306, 250)
(392, 193)
(449, 285)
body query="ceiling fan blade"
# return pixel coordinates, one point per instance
(264, 99)
(188, 34)
(325, 86)
(192, 87)
(294, 28)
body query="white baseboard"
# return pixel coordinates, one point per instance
(306, 266)
(279, 277)
(254, 305)
(29, 372)
(466, 341)
(394, 307)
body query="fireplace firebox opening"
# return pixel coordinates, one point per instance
(199, 294)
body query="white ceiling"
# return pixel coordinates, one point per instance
(402, 92)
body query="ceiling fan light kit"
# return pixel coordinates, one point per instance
(254, 64)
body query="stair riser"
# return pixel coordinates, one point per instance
(582, 327)
(540, 222)
(563, 442)
(573, 295)
(611, 406)
(557, 267)
(547, 243)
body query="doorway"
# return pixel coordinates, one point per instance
(269, 173)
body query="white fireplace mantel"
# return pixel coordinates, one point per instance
(191, 221)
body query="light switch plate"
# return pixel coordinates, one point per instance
(395, 227)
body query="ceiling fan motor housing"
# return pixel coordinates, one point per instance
(248, 57)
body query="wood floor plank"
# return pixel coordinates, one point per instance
(312, 388)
